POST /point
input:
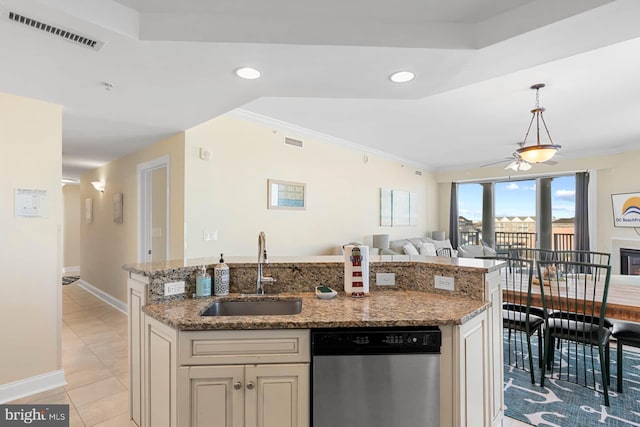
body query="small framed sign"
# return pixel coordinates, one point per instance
(626, 210)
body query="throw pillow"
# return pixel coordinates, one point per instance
(409, 249)
(443, 244)
(427, 249)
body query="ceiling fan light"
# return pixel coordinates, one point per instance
(538, 153)
(524, 166)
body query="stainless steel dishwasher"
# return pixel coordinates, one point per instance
(376, 377)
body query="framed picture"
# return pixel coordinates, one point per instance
(286, 195)
(88, 211)
(117, 208)
(385, 207)
(626, 210)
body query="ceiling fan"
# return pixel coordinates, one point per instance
(516, 162)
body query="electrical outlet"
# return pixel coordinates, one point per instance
(442, 282)
(385, 279)
(174, 288)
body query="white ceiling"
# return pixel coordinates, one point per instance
(325, 67)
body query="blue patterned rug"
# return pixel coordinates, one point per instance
(561, 403)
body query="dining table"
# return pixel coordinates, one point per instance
(623, 297)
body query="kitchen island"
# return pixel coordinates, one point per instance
(179, 359)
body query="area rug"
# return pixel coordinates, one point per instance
(67, 280)
(561, 403)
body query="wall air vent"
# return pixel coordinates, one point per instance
(57, 31)
(293, 142)
(419, 173)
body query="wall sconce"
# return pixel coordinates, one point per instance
(98, 185)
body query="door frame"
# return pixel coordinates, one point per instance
(144, 202)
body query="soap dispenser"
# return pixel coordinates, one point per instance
(221, 278)
(203, 283)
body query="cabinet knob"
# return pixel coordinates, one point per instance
(250, 385)
(237, 385)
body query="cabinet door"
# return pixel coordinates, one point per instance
(211, 396)
(493, 292)
(136, 299)
(474, 387)
(277, 395)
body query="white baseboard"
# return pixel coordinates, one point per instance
(27, 387)
(114, 302)
(74, 269)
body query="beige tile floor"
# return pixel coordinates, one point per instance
(94, 359)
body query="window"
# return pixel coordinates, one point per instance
(470, 213)
(563, 208)
(515, 212)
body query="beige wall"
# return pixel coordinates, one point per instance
(71, 226)
(30, 290)
(609, 175)
(229, 192)
(105, 245)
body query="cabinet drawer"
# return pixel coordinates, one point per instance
(243, 347)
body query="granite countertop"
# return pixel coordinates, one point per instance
(379, 309)
(150, 268)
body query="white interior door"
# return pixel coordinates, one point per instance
(153, 217)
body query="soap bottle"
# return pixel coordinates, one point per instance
(221, 278)
(203, 283)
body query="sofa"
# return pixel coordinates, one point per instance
(475, 251)
(417, 246)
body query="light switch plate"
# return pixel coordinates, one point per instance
(174, 288)
(443, 282)
(385, 279)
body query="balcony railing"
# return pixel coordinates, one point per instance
(518, 239)
(505, 240)
(514, 239)
(469, 238)
(563, 241)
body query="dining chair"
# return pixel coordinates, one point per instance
(575, 293)
(625, 334)
(443, 252)
(592, 257)
(518, 317)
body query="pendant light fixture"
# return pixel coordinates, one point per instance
(538, 153)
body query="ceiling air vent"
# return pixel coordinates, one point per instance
(59, 32)
(293, 142)
(419, 173)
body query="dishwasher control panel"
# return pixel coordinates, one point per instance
(375, 341)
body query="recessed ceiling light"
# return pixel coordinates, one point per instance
(402, 77)
(248, 73)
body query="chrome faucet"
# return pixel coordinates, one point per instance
(262, 259)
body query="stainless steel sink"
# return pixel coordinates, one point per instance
(254, 307)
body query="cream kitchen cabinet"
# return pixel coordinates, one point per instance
(246, 395)
(248, 378)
